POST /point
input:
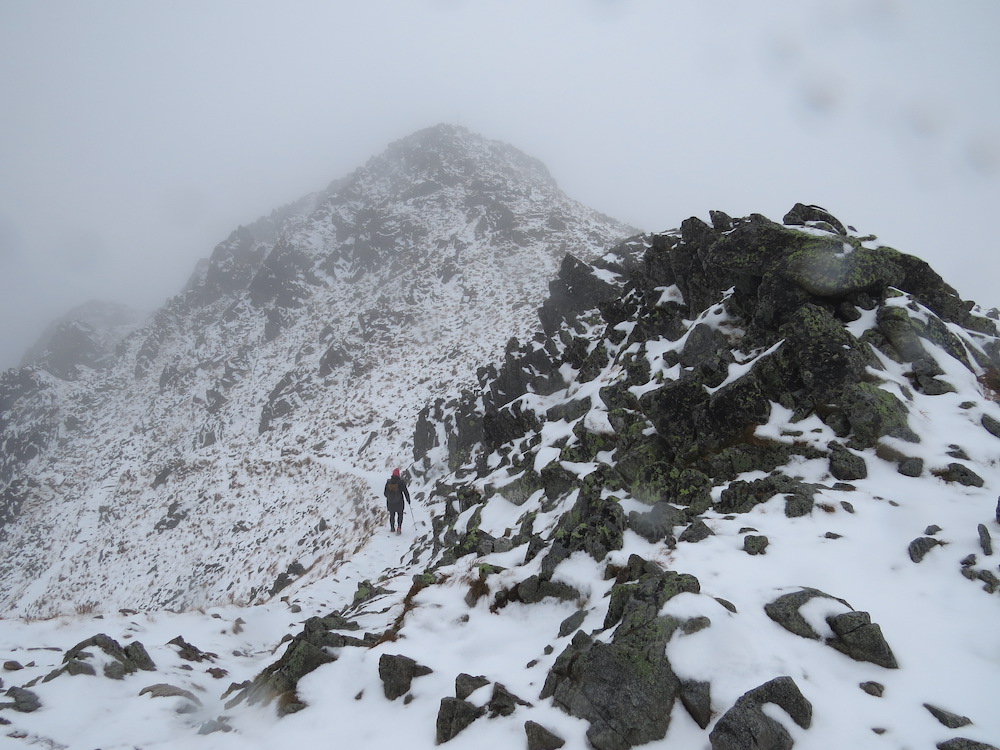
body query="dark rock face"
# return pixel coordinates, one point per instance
(123, 661)
(540, 738)
(698, 531)
(28, 425)
(991, 425)
(755, 544)
(625, 689)
(742, 496)
(813, 216)
(190, 652)
(947, 718)
(73, 349)
(307, 651)
(960, 474)
(25, 701)
(595, 524)
(534, 588)
(876, 689)
(785, 611)
(697, 699)
(658, 523)
(845, 465)
(282, 279)
(454, 715)
(985, 539)
(572, 623)
(163, 690)
(861, 639)
(626, 696)
(919, 547)
(575, 289)
(961, 743)
(746, 727)
(503, 702)
(854, 633)
(397, 672)
(466, 685)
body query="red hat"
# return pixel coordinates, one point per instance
(395, 472)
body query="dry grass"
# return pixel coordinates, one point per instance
(392, 633)
(990, 381)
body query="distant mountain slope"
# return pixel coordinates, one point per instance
(83, 339)
(263, 403)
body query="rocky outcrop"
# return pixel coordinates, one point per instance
(624, 688)
(540, 738)
(24, 701)
(397, 672)
(853, 632)
(453, 716)
(746, 726)
(118, 663)
(961, 743)
(313, 647)
(783, 294)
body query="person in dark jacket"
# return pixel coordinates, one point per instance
(395, 491)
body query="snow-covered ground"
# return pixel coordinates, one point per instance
(941, 627)
(300, 504)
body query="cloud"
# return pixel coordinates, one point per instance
(136, 136)
(982, 152)
(10, 246)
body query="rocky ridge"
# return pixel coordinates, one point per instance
(686, 389)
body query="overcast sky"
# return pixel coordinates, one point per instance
(135, 136)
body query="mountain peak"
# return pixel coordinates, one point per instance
(441, 190)
(452, 155)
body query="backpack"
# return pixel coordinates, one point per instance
(393, 486)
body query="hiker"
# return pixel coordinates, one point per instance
(395, 491)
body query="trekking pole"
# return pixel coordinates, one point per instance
(409, 470)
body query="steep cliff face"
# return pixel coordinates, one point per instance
(261, 403)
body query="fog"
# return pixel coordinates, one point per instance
(136, 136)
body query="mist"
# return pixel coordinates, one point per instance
(136, 137)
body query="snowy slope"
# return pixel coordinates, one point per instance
(233, 442)
(606, 564)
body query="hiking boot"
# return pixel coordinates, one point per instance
(399, 531)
